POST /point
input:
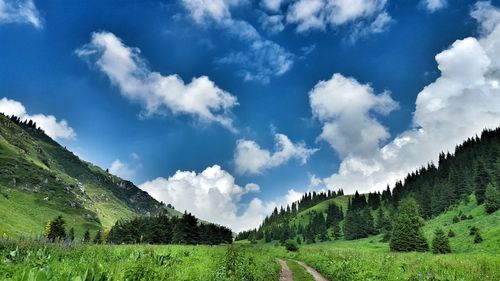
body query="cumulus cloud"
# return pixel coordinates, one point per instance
(250, 158)
(346, 109)
(464, 100)
(49, 123)
(263, 59)
(214, 196)
(365, 16)
(20, 11)
(434, 5)
(157, 93)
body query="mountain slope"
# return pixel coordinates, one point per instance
(451, 196)
(40, 179)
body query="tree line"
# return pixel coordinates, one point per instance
(161, 229)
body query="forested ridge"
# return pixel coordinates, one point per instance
(472, 169)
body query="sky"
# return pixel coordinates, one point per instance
(229, 108)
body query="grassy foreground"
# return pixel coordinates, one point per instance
(36, 261)
(33, 261)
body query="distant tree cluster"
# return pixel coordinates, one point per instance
(24, 123)
(55, 231)
(161, 229)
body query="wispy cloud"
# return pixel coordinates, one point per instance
(20, 11)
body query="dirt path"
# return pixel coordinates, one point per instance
(317, 276)
(286, 273)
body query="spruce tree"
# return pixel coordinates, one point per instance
(491, 199)
(98, 237)
(86, 236)
(481, 180)
(478, 238)
(440, 244)
(407, 232)
(54, 230)
(71, 234)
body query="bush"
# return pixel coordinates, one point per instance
(456, 219)
(440, 244)
(291, 245)
(478, 238)
(451, 233)
(473, 230)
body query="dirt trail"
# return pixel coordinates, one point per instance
(286, 273)
(317, 276)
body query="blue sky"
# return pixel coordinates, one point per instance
(149, 88)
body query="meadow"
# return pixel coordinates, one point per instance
(357, 260)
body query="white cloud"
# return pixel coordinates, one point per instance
(365, 16)
(434, 5)
(19, 11)
(126, 170)
(53, 128)
(125, 68)
(487, 16)
(214, 196)
(464, 100)
(250, 158)
(345, 107)
(272, 23)
(262, 60)
(272, 5)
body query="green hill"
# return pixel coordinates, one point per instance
(39, 179)
(451, 195)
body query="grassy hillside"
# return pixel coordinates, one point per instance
(39, 179)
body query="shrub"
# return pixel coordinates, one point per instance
(456, 219)
(451, 233)
(478, 238)
(291, 245)
(440, 244)
(473, 230)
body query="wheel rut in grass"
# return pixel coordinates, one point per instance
(317, 276)
(285, 273)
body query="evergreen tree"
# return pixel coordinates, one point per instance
(481, 180)
(86, 236)
(440, 244)
(451, 233)
(478, 238)
(71, 234)
(491, 199)
(383, 224)
(336, 231)
(407, 232)
(98, 237)
(54, 230)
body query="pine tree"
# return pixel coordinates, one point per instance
(481, 180)
(491, 199)
(407, 232)
(71, 234)
(98, 237)
(478, 238)
(86, 236)
(54, 230)
(440, 244)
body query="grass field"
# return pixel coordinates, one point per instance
(336, 261)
